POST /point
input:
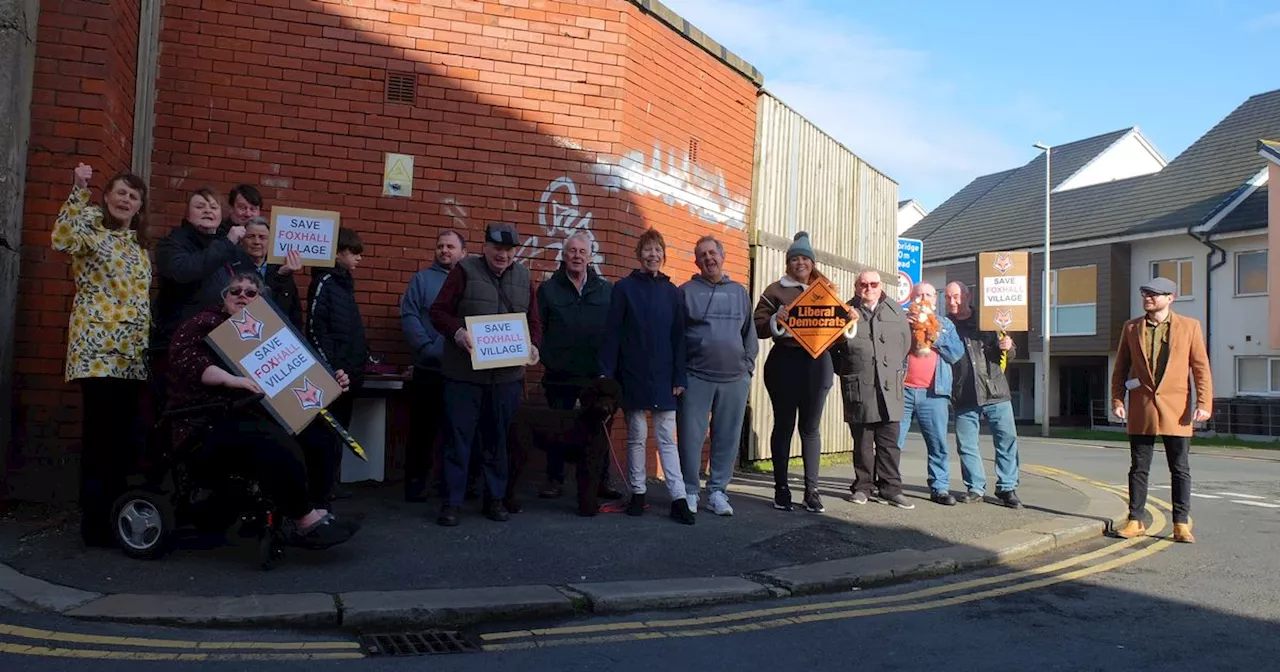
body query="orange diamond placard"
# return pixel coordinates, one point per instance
(818, 317)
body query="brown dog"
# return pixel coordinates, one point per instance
(582, 433)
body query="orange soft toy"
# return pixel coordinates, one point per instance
(923, 333)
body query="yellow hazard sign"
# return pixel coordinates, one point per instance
(397, 176)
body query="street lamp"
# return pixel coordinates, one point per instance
(1044, 313)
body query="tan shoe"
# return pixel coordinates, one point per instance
(1182, 533)
(1134, 528)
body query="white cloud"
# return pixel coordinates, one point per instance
(885, 102)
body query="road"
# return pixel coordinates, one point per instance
(1105, 605)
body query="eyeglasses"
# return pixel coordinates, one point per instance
(249, 293)
(1152, 295)
(869, 285)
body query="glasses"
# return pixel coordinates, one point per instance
(249, 293)
(869, 285)
(1152, 295)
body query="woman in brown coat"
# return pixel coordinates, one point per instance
(1158, 354)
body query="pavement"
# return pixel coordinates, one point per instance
(405, 571)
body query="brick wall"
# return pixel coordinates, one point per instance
(551, 115)
(82, 110)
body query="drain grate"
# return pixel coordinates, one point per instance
(425, 643)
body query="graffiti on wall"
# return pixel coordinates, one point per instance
(560, 215)
(674, 177)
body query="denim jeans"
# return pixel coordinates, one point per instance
(724, 405)
(664, 425)
(930, 412)
(1004, 435)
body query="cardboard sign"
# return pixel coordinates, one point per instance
(259, 344)
(1003, 291)
(817, 318)
(499, 340)
(313, 233)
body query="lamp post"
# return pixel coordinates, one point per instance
(1046, 322)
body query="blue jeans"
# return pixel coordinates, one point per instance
(723, 405)
(481, 412)
(930, 412)
(999, 417)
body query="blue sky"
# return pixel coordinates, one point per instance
(937, 93)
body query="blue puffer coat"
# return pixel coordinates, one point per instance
(644, 348)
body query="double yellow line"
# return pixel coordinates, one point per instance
(918, 600)
(14, 640)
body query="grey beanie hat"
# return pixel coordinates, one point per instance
(801, 247)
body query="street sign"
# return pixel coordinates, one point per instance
(910, 263)
(817, 318)
(1003, 291)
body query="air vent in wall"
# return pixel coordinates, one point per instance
(401, 87)
(693, 150)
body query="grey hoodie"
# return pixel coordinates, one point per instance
(720, 337)
(425, 343)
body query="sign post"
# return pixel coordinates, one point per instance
(818, 317)
(910, 263)
(313, 233)
(499, 340)
(1002, 280)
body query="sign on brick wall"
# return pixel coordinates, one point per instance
(313, 233)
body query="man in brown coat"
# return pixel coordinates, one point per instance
(1158, 354)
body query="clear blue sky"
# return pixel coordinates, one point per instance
(936, 93)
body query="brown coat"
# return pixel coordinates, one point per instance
(1166, 409)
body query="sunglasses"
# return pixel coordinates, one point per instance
(249, 293)
(869, 285)
(1152, 295)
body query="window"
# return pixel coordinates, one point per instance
(1177, 270)
(1257, 375)
(1251, 272)
(1074, 301)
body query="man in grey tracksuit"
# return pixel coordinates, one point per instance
(721, 347)
(427, 346)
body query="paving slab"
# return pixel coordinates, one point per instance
(863, 571)
(293, 609)
(617, 596)
(368, 610)
(23, 589)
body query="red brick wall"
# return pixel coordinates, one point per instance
(545, 115)
(82, 110)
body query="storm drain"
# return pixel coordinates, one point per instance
(425, 643)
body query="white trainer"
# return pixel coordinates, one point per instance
(718, 503)
(692, 500)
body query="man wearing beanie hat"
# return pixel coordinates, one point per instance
(1159, 352)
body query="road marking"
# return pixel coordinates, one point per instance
(1247, 502)
(143, 642)
(1196, 494)
(101, 654)
(1240, 495)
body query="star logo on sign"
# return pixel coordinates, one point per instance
(309, 396)
(248, 328)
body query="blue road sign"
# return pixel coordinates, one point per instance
(910, 262)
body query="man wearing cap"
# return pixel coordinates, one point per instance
(479, 404)
(1159, 352)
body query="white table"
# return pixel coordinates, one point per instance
(369, 427)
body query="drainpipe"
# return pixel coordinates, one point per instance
(1205, 239)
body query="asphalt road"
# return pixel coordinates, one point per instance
(1151, 605)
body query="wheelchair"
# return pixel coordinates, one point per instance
(166, 496)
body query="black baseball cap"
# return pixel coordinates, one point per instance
(500, 233)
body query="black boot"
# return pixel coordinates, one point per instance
(681, 513)
(636, 506)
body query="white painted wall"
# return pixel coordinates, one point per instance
(908, 215)
(1240, 323)
(1128, 157)
(1176, 246)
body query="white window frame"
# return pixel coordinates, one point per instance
(1053, 303)
(1274, 391)
(1236, 279)
(1189, 294)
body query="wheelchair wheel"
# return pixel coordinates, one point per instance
(141, 523)
(271, 549)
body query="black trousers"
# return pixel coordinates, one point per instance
(1177, 452)
(424, 457)
(258, 448)
(110, 448)
(322, 449)
(798, 386)
(876, 458)
(564, 397)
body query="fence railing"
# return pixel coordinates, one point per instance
(1240, 416)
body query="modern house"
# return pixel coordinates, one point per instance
(909, 212)
(1120, 215)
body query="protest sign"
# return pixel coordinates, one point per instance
(817, 318)
(499, 340)
(259, 344)
(1003, 291)
(313, 233)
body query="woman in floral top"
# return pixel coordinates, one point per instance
(108, 335)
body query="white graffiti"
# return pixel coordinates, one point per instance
(455, 211)
(678, 181)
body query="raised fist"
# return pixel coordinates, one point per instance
(83, 174)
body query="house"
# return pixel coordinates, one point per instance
(909, 212)
(1120, 215)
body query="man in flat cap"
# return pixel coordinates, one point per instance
(1158, 354)
(480, 404)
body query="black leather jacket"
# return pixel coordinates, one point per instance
(978, 378)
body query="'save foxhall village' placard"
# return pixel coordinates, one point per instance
(312, 233)
(499, 340)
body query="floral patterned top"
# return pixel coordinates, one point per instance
(111, 314)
